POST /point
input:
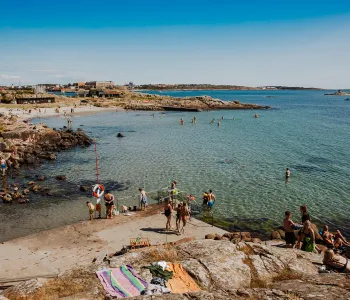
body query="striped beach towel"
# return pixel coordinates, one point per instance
(122, 282)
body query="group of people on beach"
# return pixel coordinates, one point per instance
(183, 214)
(307, 239)
(109, 204)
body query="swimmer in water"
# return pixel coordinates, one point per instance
(182, 121)
(218, 123)
(256, 116)
(222, 117)
(287, 173)
(212, 122)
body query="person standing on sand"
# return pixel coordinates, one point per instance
(172, 193)
(143, 199)
(91, 209)
(3, 166)
(178, 217)
(109, 202)
(185, 213)
(167, 212)
(98, 207)
(289, 227)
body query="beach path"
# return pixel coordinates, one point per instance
(55, 251)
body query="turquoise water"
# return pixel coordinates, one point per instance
(243, 161)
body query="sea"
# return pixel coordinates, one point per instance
(243, 161)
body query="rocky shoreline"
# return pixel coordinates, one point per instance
(23, 144)
(199, 103)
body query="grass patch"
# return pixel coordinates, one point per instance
(164, 253)
(75, 282)
(255, 281)
(286, 274)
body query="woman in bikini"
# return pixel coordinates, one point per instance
(178, 217)
(167, 212)
(336, 262)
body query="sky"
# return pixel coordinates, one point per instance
(252, 43)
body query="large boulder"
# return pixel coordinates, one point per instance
(223, 263)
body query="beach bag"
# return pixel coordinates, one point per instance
(309, 245)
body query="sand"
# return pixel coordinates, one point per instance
(56, 251)
(50, 111)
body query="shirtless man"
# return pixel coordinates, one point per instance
(212, 199)
(3, 166)
(289, 227)
(109, 202)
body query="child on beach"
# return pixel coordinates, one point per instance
(98, 207)
(3, 166)
(91, 209)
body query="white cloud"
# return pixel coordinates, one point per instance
(57, 76)
(43, 70)
(9, 77)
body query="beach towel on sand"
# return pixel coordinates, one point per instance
(181, 282)
(122, 282)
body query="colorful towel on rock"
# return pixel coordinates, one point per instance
(122, 282)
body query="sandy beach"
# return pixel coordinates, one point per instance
(50, 111)
(53, 252)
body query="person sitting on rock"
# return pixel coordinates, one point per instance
(333, 240)
(306, 239)
(336, 262)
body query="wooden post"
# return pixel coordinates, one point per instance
(96, 163)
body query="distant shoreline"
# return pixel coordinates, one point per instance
(219, 88)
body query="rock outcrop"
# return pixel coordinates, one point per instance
(23, 143)
(225, 270)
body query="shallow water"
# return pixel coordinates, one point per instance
(243, 161)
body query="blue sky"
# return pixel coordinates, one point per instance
(299, 43)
